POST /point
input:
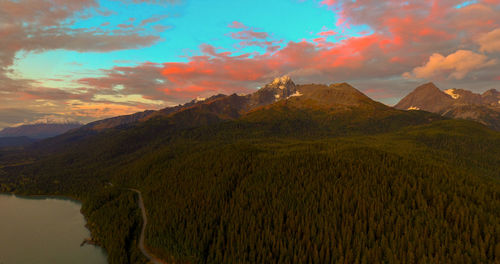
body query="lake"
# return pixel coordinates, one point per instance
(39, 230)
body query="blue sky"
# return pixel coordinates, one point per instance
(189, 24)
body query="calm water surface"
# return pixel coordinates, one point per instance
(44, 230)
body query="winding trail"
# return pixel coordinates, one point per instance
(149, 256)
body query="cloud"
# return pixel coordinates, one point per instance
(43, 25)
(490, 42)
(236, 24)
(157, 2)
(400, 36)
(249, 37)
(249, 34)
(420, 27)
(13, 116)
(144, 79)
(152, 19)
(327, 33)
(22, 28)
(457, 65)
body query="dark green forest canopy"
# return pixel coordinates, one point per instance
(304, 188)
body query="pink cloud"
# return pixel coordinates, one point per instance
(249, 34)
(238, 25)
(327, 33)
(319, 40)
(125, 25)
(151, 20)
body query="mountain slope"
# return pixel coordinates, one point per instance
(281, 105)
(426, 97)
(411, 194)
(38, 131)
(15, 141)
(455, 103)
(322, 174)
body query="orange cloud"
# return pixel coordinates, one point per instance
(99, 110)
(457, 65)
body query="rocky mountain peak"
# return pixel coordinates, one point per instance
(455, 103)
(491, 97)
(453, 93)
(426, 97)
(428, 87)
(492, 92)
(282, 82)
(282, 87)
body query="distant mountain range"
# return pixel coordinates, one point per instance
(15, 141)
(282, 89)
(455, 103)
(39, 131)
(225, 107)
(278, 101)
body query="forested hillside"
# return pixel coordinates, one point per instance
(293, 182)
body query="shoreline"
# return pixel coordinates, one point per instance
(46, 196)
(86, 241)
(90, 240)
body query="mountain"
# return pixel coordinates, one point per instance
(279, 105)
(292, 173)
(455, 103)
(426, 97)
(126, 120)
(15, 141)
(279, 89)
(39, 131)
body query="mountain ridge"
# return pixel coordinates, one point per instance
(233, 106)
(39, 130)
(455, 103)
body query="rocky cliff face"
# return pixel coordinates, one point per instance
(281, 88)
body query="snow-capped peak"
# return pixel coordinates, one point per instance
(200, 99)
(297, 93)
(451, 92)
(281, 81)
(52, 119)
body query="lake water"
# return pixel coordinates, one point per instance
(44, 230)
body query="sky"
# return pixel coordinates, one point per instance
(92, 59)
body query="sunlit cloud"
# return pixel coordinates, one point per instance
(456, 65)
(385, 47)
